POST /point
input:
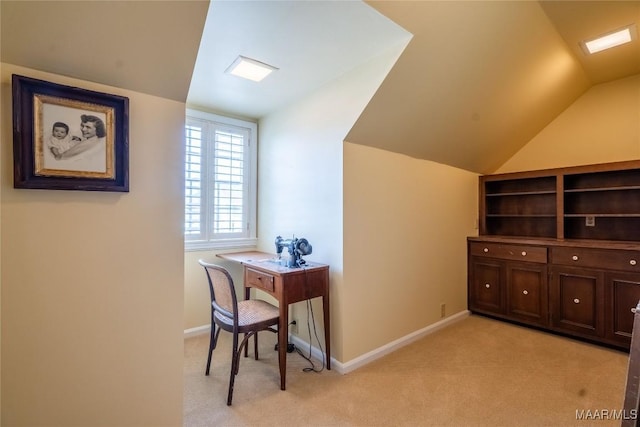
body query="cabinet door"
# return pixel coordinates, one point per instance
(527, 296)
(622, 296)
(485, 290)
(577, 301)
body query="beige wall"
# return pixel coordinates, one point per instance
(300, 176)
(602, 126)
(406, 223)
(92, 283)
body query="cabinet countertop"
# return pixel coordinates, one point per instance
(583, 243)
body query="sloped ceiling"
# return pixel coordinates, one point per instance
(480, 79)
(144, 46)
(476, 82)
(310, 42)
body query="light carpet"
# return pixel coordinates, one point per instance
(476, 372)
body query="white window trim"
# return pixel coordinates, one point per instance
(247, 242)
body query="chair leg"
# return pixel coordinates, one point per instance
(213, 338)
(255, 345)
(246, 349)
(235, 361)
(244, 344)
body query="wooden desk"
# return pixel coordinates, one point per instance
(287, 285)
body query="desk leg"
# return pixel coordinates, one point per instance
(327, 328)
(283, 340)
(247, 296)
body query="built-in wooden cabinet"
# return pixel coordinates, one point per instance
(559, 249)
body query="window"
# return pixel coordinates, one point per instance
(220, 182)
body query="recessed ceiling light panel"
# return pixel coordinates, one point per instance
(250, 69)
(610, 40)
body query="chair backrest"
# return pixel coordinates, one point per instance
(223, 293)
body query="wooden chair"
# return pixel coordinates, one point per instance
(246, 317)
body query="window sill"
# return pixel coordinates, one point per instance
(194, 246)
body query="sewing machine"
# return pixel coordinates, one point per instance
(296, 247)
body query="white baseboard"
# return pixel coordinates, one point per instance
(200, 330)
(345, 368)
(352, 365)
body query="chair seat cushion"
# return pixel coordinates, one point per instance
(251, 312)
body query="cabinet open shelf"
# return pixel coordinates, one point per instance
(607, 228)
(608, 193)
(525, 185)
(531, 226)
(616, 177)
(520, 193)
(586, 190)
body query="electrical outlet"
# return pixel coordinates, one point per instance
(443, 310)
(294, 326)
(590, 221)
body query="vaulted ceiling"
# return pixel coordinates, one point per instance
(477, 80)
(481, 79)
(144, 46)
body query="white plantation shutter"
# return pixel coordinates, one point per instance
(219, 182)
(229, 193)
(193, 180)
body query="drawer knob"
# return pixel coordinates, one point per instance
(485, 250)
(575, 257)
(526, 292)
(524, 253)
(576, 300)
(632, 262)
(486, 285)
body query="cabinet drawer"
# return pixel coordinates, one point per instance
(510, 252)
(597, 258)
(258, 279)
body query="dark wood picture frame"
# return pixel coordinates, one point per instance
(68, 138)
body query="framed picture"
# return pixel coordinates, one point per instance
(68, 138)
